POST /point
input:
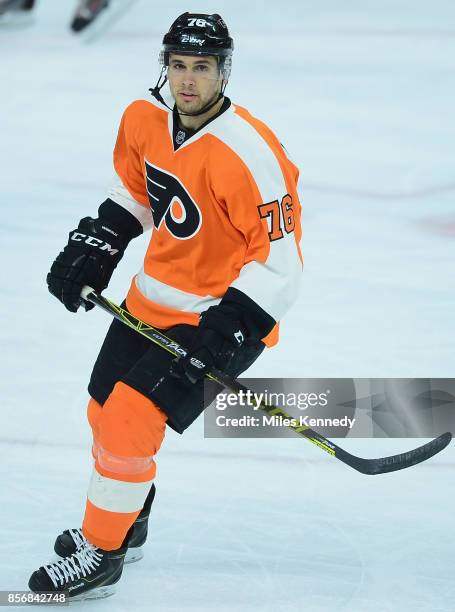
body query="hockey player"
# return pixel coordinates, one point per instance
(222, 267)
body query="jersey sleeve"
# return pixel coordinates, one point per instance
(263, 205)
(129, 190)
(127, 160)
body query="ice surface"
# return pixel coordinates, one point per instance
(362, 94)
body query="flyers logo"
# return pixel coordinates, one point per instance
(171, 203)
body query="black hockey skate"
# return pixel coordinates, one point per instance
(87, 12)
(90, 573)
(72, 540)
(15, 5)
(16, 13)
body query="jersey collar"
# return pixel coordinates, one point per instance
(182, 136)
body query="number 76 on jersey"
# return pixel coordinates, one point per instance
(280, 216)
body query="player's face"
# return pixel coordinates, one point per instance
(195, 81)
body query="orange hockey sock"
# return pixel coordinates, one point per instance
(129, 431)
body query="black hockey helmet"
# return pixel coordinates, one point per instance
(199, 34)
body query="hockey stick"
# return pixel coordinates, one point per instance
(380, 465)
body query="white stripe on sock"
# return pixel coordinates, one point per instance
(117, 495)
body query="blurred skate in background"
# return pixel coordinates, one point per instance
(16, 13)
(86, 13)
(96, 16)
(91, 18)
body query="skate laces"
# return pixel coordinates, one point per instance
(81, 563)
(78, 538)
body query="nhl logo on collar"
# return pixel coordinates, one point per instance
(180, 137)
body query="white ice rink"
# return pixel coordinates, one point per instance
(362, 94)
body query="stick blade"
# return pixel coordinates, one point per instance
(384, 465)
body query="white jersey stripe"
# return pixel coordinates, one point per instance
(255, 278)
(117, 495)
(121, 196)
(166, 295)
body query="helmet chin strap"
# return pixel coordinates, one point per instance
(156, 93)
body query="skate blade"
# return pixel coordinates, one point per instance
(134, 554)
(99, 593)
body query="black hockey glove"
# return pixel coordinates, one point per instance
(90, 257)
(218, 336)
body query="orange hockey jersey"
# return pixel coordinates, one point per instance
(224, 210)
